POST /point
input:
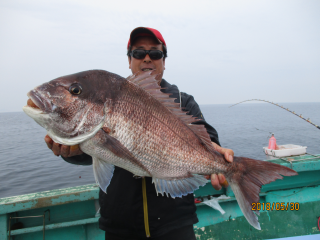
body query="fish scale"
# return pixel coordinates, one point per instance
(131, 124)
(168, 141)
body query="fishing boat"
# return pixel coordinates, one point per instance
(288, 207)
(286, 150)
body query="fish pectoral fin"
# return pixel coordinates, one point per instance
(179, 187)
(114, 145)
(117, 148)
(103, 173)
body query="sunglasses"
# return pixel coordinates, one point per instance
(141, 54)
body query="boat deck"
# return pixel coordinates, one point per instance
(71, 213)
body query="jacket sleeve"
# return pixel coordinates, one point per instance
(191, 106)
(83, 159)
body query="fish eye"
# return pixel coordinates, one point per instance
(75, 89)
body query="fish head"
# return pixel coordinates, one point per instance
(72, 108)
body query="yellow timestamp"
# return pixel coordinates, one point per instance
(278, 206)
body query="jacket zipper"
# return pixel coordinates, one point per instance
(145, 207)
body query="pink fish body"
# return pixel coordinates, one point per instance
(131, 124)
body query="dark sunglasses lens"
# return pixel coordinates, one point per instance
(155, 54)
(139, 54)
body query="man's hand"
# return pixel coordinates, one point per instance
(63, 150)
(219, 180)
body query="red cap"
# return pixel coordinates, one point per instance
(145, 31)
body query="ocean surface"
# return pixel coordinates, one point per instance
(28, 166)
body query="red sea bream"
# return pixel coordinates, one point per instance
(131, 124)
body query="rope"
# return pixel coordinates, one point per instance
(276, 104)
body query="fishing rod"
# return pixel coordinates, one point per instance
(276, 104)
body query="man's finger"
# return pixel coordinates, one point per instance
(222, 180)
(75, 150)
(228, 154)
(48, 141)
(216, 146)
(65, 150)
(215, 182)
(56, 148)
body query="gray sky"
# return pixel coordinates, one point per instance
(219, 51)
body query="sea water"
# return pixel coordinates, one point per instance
(28, 166)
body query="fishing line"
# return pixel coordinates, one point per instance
(276, 104)
(265, 132)
(262, 130)
(267, 139)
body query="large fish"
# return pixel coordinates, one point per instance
(131, 124)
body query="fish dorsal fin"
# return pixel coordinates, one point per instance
(148, 82)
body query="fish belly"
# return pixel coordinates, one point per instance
(103, 154)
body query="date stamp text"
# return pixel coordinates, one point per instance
(277, 206)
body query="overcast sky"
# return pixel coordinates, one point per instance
(219, 51)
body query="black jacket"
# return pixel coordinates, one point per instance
(122, 207)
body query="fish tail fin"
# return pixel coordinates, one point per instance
(246, 183)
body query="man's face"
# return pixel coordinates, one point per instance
(146, 64)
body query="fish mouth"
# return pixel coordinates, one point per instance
(30, 103)
(39, 103)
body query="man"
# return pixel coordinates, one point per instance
(132, 209)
